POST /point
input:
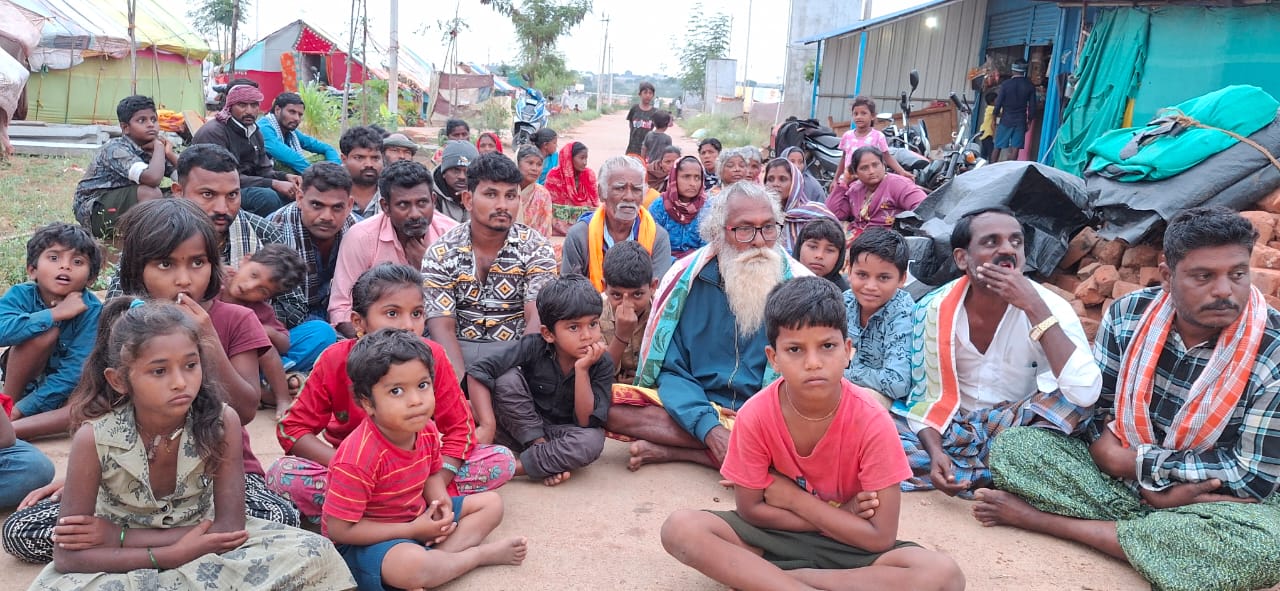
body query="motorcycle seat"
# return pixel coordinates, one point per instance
(827, 141)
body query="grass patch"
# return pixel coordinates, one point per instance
(39, 190)
(567, 120)
(731, 131)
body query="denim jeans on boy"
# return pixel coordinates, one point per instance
(23, 468)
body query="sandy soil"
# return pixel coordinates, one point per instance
(600, 529)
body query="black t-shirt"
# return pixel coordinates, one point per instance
(641, 122)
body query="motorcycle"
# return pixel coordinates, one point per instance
(961, 156)
(911, 137)
(820, 144)
(531, 116)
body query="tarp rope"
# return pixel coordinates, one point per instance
(1188, 122)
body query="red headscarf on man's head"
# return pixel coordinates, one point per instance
(569, 187)
(497, 141)
(242, 93)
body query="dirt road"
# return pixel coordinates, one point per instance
(607, 136)
(600, 529)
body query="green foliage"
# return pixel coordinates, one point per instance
(731, 131)
(706, 38)
(213, 18)
(370, 107)
(539, 24)
(567, 120)
(323, 114)
(46, 187)
(809, 70)
(495, 116)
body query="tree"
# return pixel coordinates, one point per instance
(219, 19)
(706, 38)
(539, 25)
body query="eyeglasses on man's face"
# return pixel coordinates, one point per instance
(769, 232)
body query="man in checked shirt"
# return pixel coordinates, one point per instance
(1181, 473)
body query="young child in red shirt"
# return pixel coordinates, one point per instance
(391, 519)
(386, 296)
(801, 451)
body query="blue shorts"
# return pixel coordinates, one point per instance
(365, 562)
(1010, 136)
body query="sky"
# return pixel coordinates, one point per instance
(645, 35)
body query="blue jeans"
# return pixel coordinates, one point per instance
(306, 342)
(262, 201)
(22, 469)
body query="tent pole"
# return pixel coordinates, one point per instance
(393, 85)
(133, 46)
(235, 25)
(351, 50)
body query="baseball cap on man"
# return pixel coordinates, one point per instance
(458, 153)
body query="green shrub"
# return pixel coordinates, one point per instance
(730, 130)
(495, 116)
(323, 114)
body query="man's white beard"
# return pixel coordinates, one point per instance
(748, 277)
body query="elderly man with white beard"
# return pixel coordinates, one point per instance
(621, 216)
(703, 353)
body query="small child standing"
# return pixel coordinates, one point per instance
(879, 313)
(551, 391)
(155, 485)
(820, 247)
(657, 140)
(801, 451)
(863, 134)
(49, 324)
(126, 170)
(378, 514)
(270, 271)
(628, 295)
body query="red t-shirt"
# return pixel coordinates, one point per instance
(860, 450)
(239, 331)
(263, 311)
(370, 478)
(326, 404)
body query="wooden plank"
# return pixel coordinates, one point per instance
(193, 120)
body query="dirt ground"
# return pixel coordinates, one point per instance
(600, 529)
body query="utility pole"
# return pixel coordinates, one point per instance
(393, 85)
(600, 102)
(610, 54)
(746, 58)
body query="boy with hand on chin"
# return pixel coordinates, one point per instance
(628, 295)
(551, 391)
(386, 510)
(801, 451)
(126, 170)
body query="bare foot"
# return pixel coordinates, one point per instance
(555, 479)
(509, 551)
(643, 452)
(997, 507)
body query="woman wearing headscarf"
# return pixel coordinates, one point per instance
(797, 211)
(864, 196)
(572, 185)
(812, 188)
(535, 201)
(680, 207)
(489, 142)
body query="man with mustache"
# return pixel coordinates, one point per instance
(315, 225)
(482, 278)
(992, 350)
(1176, 474)
(285, 144)
(621, 216)
(399, 233)
(362, 155)
(704, 343)
(235, 127)
(449, 181)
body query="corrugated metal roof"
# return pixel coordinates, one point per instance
(875, 22)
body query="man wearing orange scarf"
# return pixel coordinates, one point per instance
(620, 217)
(1180, 473)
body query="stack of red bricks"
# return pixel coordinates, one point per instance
(1095, 272)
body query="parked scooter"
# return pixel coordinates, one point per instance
(961, 156)
(531, 116)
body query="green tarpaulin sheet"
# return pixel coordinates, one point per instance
(1240, 109)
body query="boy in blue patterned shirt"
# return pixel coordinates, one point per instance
(49, 324)
(879, 314)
